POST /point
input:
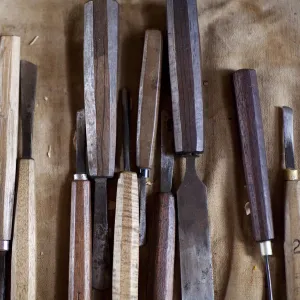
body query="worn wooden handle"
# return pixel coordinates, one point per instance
(80, 260)
(254, 153)
(164, 248)
(185, 75)
(292, 239)
(9, 116)
(149, 94)
(23, 264)
(126, 239)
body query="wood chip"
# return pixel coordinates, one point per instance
(247, 209)
(49, 151)
(46, 98)
(34, 40)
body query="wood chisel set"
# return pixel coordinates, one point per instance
(93, 266)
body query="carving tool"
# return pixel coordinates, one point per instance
(193, 223)
(9, 107)
(100, 93)
(23, 266)
(165, 227)
(148, 106)
(126, 238)
(80, 264)
(255, 162)
(292, 210)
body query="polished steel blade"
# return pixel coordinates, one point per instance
(288, 137)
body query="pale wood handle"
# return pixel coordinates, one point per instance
(126, 239)
(9, 116)
(80, 264)
(292, 239)
(23, 264)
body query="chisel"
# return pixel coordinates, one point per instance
(9, 107)
(164, 250)
(187, 104)
(255, 162)
(80, 259)
(100, 93)
(148, 106)
(292, 210)
(126, 238)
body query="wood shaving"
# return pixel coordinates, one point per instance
(34, 40)
(205, 83)
(247, 209)
(46, 98)
(254, 268)
(49, 151)
(149, 183)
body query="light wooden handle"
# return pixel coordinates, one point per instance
(23, 264)
(80, 264)
(292, 239)
(126, 239)
(9, 116)
(149, 94)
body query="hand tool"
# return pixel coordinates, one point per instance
(9, 107)
(100, 93)
(292, 210)
(193, 223)
(80, 260)
(165, 227)
(255, 162)
(126, 239)
(148, 106)
(23, 266)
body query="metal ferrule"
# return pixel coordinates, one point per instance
(290, 175)
(4, 245)
(80, 177)
(145, 173)
(266, 248)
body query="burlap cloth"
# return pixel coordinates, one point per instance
(235, 34)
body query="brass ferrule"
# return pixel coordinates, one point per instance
(290, 175)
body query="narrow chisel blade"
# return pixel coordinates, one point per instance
(288, 137)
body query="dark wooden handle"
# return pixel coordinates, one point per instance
(185, 74)
(149, 94)
(80, 264)
(164, 248)
(254, 153)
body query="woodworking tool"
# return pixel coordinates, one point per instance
(100, 93)
(149, 93)
(255, 162)
(80, 259)
(126, 238)
(23, 266)
(292, 210)
(164, 250)
(187, 103)
(9, 107)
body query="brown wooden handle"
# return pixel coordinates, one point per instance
(292, 239)
(149, 94)
(254, 153)
(185, 74)
(9, 116)
(126, 239)
(23, 263)
(80, 260)
(164, 248)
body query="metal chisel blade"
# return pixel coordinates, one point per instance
(167, 157)
(28, 75)
(288, 137)
(80, 143)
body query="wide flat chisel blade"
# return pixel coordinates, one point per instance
(288, 137)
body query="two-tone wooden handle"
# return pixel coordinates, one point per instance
(254, 153)
(80, 261)
(164, 248)
(126, 239)
(23, 265)
(292, 235)
(9, 116)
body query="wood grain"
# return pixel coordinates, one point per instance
(80, 260)
(164, 248)
(185, 75)
(126, 239)
(9, 116)
(254, 153)
(149, 94)
(24, 256)
(292, 239)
